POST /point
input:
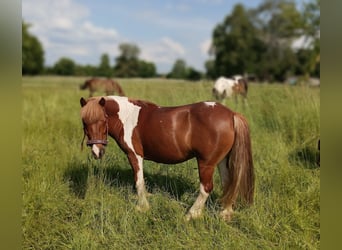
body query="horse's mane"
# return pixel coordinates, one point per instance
(92, 111)
(143, 103)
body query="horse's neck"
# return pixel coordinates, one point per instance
(125, 118)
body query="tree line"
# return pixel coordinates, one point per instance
(257, 42)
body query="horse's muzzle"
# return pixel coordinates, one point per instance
(98, 151)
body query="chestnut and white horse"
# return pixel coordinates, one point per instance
(228, 87)
(207, 131)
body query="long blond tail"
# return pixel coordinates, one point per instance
(240, 165)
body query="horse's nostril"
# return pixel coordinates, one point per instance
(102, 151)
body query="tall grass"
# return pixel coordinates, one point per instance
(71, 201)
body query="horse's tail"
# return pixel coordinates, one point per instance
(240, 179)
(118, 88)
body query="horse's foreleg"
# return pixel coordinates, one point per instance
(136, 162)
(206, 186)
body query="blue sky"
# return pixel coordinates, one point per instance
(163, 30)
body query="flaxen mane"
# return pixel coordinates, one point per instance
(91, 112)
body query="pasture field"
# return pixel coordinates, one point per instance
(71, 201)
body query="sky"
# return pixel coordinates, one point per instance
(164, 30)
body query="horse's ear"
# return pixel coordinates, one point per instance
(102, 102)
(83, 102)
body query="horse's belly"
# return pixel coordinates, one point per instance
(168, 154)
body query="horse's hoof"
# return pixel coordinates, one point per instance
(188, 217)
(193, 215)
(226, 215)
(143, 207)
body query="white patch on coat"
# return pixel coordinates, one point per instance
(224, 84)
(237, 77)
(128, 115)
(210, 104)
(96, 150)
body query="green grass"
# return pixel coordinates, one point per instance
(71, 201)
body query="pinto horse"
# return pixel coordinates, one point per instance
(228, 87)
(106, 85)
(208, 131)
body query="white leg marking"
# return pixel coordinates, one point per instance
(143, 204)
(140, 175)
(96, 150)
(196, 209)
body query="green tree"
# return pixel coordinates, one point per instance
(193, 74)
(236, 47)
(146, 69)
(210, 69)
(64, 66)
(127, 63)
(32, 53)
(179, 70)
(279, 23)
(86, 70)
(104, 68)
(311, 31)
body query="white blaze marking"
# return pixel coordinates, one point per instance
(210, 104)
(128, 115)
(96, 150)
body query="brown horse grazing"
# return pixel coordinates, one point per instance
(228, 87)
(208, 131)
(106, 85)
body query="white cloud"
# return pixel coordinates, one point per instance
(165, 50)
(174, 46)
(302, 42)
(205, 46)
(64, 30)
(177, 7)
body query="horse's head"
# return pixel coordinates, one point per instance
(84, 85)
(95, 124)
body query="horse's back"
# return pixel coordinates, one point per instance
(176, 134)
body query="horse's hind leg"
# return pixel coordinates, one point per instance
(227, 205)
(206, 186)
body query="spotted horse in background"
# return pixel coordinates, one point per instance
(228, 87)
